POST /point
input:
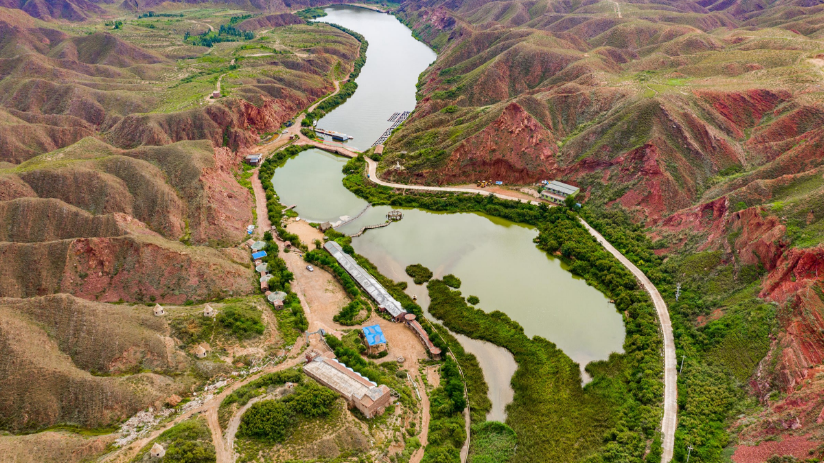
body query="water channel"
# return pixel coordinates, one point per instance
(495, 259)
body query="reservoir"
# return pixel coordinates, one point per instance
(386, 84)
(495, 259)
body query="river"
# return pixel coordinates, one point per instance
(386, 84)
(495, 259)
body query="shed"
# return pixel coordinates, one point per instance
(157, 451)
(373, 335)
(259, 255)
(325, 226)
(158, 310)
(379, 149)
(209, 311)
(262, 268)
(276, 296)
(253, 159)
(215, 94)
(258, 245)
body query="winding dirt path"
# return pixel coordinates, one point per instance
(209, 408)
(424, 435)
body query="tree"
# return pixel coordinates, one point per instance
(473, 300)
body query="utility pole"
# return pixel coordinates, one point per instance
(689, 451)
(682, 364)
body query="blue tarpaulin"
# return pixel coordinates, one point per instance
(373, 335)
(258, 255)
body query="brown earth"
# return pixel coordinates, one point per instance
(52, 345)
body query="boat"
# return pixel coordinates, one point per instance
(337, 136)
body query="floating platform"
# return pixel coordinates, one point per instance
(337, 136)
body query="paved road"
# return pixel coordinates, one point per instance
(669, 421)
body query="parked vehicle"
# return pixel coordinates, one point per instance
(310, 268)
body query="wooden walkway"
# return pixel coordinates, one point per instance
(370, 227)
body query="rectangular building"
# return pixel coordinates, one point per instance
(358, 391)
(366, 281)
(562, 189)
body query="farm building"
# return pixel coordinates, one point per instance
(358, 391)
(369, 284)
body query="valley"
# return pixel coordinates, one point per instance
(669, 309)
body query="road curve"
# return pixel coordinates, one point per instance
(669, 421)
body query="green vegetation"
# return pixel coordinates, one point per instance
(419, 273)
(273, 420)
(492, 442)
(243, 321)
(721, 355)
(446, 428)
(474, 300)
(310, 13)
(187, 442)
(224, 34)
(452, 281)
(152, 14)
(347, 314)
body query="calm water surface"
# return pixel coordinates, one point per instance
(386, 84)
(495, 259)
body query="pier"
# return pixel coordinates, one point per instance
(396, 119)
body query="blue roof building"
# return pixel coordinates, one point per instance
(259, 255)
(373, 335)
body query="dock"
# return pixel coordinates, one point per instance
(396, 119)
(335, 135)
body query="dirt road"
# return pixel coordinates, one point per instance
(210, 407)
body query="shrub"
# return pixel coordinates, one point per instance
(347, 314)
(419, 273)
(243, 322)
(473, 300)
(452, 281)
(269, 420)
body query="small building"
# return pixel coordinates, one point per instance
(209, 311)
(262, 268)
(264, 282)
(158, 310)
(157, 451)
(561, 189)
(416, 327)
(215, 95)
(394, 215)
(374, 338)
(202, 350)
(258, 255)
(379, 149)
(253, 159)
(277, 299)
(325, 226)
(358, 391)
(258, 245)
